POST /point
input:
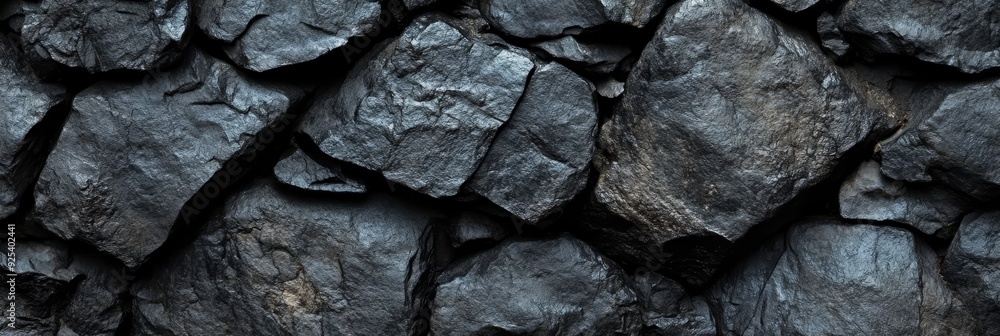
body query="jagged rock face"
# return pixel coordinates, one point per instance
(267, 34)
(972, 268)
(546, 287)
(133, 153)
(422, 109)
(20, 110)
(104, 35)
(540, 160)
(299, 170)
(960, 34)
(64, 291)
(928, 207)
(950, 138)
(284, 264)
(531, 19)
(824, 277)
(720, 125)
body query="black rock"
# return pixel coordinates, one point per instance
(823, 277)
(133, 153)
(833, 39)
(541, 158)
(422, 109)
(602, 58)
(971, 268)
(473, 227)
(554, 17)
(299, 170)
(23, 102)
(267, 34)
(64, 291)
(104, 35)
(950, 138)
(669, 310)
(546, 287)
(720, 126)
(928, 207)
(960, 34)
(279, 263)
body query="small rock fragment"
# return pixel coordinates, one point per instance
(599, 58)
(303, 172)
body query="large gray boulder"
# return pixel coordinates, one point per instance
(558, 286)
(931, 208)
(950, 138)
(267, 34)
(422, 109)
(24, 100)
(972, 268)
(104, 35)
(960, 34)
(540, 159)
(727, 117)
(827, 278)
(548, 18)
(63, 291)
(133, 153)
(280, 263)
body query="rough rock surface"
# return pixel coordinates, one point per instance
(823, 277)
(928, 207)
(545, 287)
(284, 264)
(20, 110)
(961, 34)
(63, 291)
(133, 153)
(950, 138)
(299, 170)
(422, 109)
(720, 125)
(104, 35)
(595, 57)
(267, 34)
(555, 17)
(972, 268)
(541, 158)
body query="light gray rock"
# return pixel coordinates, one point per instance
(827, 278)
(600, 58)
(299, 170)
(540, 160)
(267, 34)
(727, 117)
(471, 227)
(421, 109)
(960, 34)
(63, 291)
(133, 153)
(104, 35)
(546, 287)
(930, 208)
(972, 268)
(950, 138)
(24, 100)
(610, 88)
(668, 310)
(286, 264)
(551, 18)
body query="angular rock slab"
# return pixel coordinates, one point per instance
(287, 264)
(960, 34)
(721, 124)
(547, 18)
(823, 277)
(299, 170)
(104, 35)
(972, 268)
(267, 34)
(600, 58)
(951, 138)
(928, 207)
(62, 291)
(132, 154)
(541, 158)
(422, 109)
(24, 100)
(547, 287)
